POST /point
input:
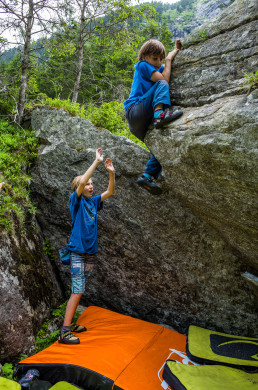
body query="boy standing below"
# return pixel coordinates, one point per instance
(83, 242)
(149, 99)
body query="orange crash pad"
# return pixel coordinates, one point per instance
(117, 352)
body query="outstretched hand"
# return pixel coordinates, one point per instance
(1, 185)
(99, 156)
(179, 45)
(109, 166)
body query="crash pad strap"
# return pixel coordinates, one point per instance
(206, 346)
(213, 377)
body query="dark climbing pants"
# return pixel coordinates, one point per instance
(139, 117)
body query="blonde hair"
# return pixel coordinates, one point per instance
(76, 182)
(153, 46)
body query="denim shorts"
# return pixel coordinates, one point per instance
(81, 268)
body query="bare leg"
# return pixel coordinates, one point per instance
(71, 308)
(159, 106)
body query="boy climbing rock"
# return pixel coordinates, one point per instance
(150, 100)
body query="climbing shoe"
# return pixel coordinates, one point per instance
(149, 185)
(78, 328)
(68, 338)
(166, 116)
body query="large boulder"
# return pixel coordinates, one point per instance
(187, 256)
(158, 260)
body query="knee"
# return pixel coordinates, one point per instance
(163, 82)
(76, 296)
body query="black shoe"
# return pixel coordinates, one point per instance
(166, 116)
(78, 328)
(68, 338)
(149, 185)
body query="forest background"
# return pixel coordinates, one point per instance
(85, 54)
(77, 56)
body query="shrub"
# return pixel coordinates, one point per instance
(111, 117)
(8, 369)
(251, 81)
(17, 151)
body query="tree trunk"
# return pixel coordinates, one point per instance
(25, 62)
(79, 64)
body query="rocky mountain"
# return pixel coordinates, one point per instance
(183, 19)
(186, 257)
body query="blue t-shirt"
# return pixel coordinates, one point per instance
(84, 237)
(141, 81)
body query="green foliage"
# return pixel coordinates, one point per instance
(48, 250)
(44, 340)
(198, 36)
(251, 81)
(17, 152)
(74, 109)
(8, 370)
(10, 76)
(111, 46)
(108, 115)
(60, 311)
(111, 117)
(188, 16)
(171, 14)
(23, 356)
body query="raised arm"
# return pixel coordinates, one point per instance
(165, 75)
(87, 175)
(111, 185)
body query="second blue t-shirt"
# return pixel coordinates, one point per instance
(141, 81)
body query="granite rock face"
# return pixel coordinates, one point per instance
(218, 56)
(188, 256)
(213, 146)
(201, 11)
(210, 8)
(28, 290)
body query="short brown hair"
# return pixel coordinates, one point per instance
(153, 46)
(76, 182)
